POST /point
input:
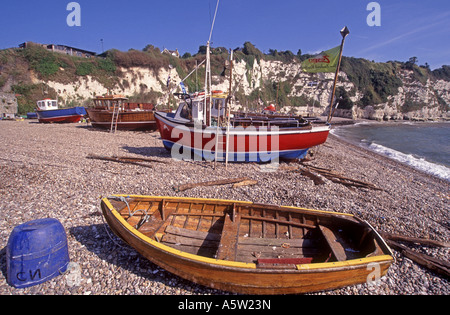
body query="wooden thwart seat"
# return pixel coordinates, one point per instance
(332, 239)
(229, 240)
(190, 241)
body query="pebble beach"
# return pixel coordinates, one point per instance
(45, 172)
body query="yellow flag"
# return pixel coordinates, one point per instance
(324, 62)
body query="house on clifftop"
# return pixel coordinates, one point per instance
(174, 53)
(63, 49)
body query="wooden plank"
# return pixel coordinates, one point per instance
(277, 250)
(277, 242)
(437, 265)
(229, 240)
(414, 240)
(283, 261)
(251, 257)
(187, 218)
(202, 251)
(181, 240)
(265, 219)
(263, 223)
(332, 240)
(205, 214)
(183, 187)
(118, 159)
(192, 234)
(151, 227)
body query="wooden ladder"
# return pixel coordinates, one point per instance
(115, 117)
(227, 138)
(220, 143)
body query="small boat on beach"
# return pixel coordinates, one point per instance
(114, 112)
(48, 112)
(249, 248)
(32, 115)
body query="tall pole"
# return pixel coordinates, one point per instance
(207, 113)
(227, 111)
(207, 107)
(344, 33)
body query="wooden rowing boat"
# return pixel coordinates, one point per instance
(115, 110)
(249, 248)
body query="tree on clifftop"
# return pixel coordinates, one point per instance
(251, 50)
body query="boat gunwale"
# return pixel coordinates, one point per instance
(234, 131)
(242, 266)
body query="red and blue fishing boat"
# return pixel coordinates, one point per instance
(196, 131)
(48, 112)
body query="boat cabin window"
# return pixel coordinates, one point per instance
(47, 104)
(218, 102)
(197, 109)
(215, 107)
(184, 111)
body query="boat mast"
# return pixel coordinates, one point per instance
(207, 111)
(227, 111)
(344, 33)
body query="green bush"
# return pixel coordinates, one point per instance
(442, 73)
(84, 68)
(107, 65)
(344, 99)
(41, 60)
(410, 106)
(250, 50)
(377, 81)
(28, 94)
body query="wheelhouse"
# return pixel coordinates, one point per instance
(47, 104)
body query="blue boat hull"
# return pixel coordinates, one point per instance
(64, 115)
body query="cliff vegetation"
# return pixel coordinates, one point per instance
(395, 88)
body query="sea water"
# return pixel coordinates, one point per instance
(424, 146)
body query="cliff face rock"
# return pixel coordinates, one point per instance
(415, 100)
(133, 80)
(426, 101)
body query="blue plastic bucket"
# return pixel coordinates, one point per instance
(36, 252)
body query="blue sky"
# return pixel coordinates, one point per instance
(408, 27)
